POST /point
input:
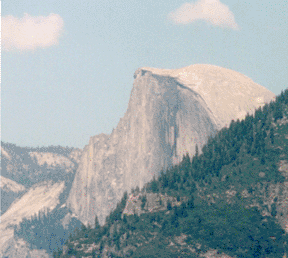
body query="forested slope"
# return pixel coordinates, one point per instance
(225, 206)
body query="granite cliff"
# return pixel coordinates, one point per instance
(169, 112)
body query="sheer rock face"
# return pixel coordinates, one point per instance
(169, 112)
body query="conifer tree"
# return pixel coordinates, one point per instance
(196, 151)
(83, 230)
(154, 186)
(124, 199)
(278, 114)
(272, 131)
(101, 246)
(253, 148)
(125, 219)
(137, 190)
(135, 216)
(274, 209)
(144, 200)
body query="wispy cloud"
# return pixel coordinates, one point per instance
(31, 32)
(212, 11)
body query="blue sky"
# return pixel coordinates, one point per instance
(67, 66)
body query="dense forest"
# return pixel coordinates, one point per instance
(245, 155)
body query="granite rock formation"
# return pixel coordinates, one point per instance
(169, 112)
(44, 196)
(10, 190)
(33, 180)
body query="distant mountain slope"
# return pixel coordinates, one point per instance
(33, 180)
(42, 197)
(169, 112)
(27, 166)
(10, 190)
(10, 186)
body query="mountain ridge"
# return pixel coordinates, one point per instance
(238, 209)
(165, 118)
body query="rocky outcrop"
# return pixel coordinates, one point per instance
(10, 190)
(154, 203)
(169, 112)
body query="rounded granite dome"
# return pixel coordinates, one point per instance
(220, 88)
(201, 69)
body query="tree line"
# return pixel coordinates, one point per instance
(234, 155)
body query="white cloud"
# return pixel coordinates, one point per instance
(31, 32)
(212, 11)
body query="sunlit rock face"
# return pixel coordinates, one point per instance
(33, 180)
(41, 197)
(169, 112)
(10, 190)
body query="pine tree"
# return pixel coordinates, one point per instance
(253, 148)
(154, 186)
(144, 200)
(274, 209)
(137, 190)
(101, 246)
(278, 114)
(186, 164)
(243, 149)
(286, 97)
(136, 217)
(117, 242)
(125, 219)
(124, 199)
(196, 151)
(272, 131)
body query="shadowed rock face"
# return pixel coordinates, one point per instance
(169, 112)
